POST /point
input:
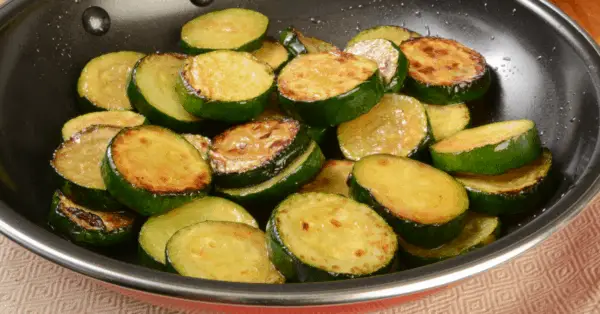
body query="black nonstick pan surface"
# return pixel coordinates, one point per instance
(545, 68)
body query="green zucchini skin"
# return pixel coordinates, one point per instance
(446, 95)
(146, 260)
(318, 134)
(399, 78)
(248, 47)
(333, 111)
(518, 152)
(427, 236)
(289, 39)
(95, 238)
(96, 199)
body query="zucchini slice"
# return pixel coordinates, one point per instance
(230, 29)
(320, 237)
(426, 206)
(87, 227)
(300, 171)
(489, 149)
(219, 250)
(272, 53)
(332, 178)
(152, 170)
(201, 143)
(326, 89)
(102, 84)
(448, 120)
(226, 86)
(397, 125)
(480, 230)
(516, 191)
(254, 152)
(77, 163)
(296, 43)
(113, 118)
(157, 230)
(443, 71)
(152, 92)
(395, 34)
(392, 63)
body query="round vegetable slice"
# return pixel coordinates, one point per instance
(272, 53)
(320, 237)
(230, 29)
(254, 152)
(152, 170)
(326, 89)
(77, 163)
(318, 134)
(296, 43)
(201, 143)
(489, 149)
(226, 86)
(102, 84)
(447, 120)
(480, 230)
(443, 71)
(157, 230)
(392, 63)
(332, 178)
(112, 118)
(225, 251)
(516, 191)
(425, 206)
(395, 34)
(87, 227)
(397, 125)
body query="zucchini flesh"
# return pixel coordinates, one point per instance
(225, 251)
(272, 53)
(201, 143)
(516, 191)
(77, 164)
(480, 230)
(230, 29)
(397, 125)
(157, 230)
(254, 152)
(296, 43)
(392, 63)
(425, 206)
(88, 227)
(320, 237)
(489, 149)
(102, 84)
(395, 34)
(111, 118)
(225, 86)
(447, 120)
(443, 71)
(326, 89)
(152, 170)
(332, 178)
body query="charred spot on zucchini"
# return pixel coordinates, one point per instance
(226, 86)
(77, 164)
(326, 89)
(219, 250)
(489, 149)
(152, 170)
(112, 118)
(443, 71)
(296, 43)
(424, 205)
(318, 134)
(157, 230)
(254, 152)
(332, 178)
(230, 29)
(88, 227)
(201, 143)
(480, 230)
(397, 125)
(392, 63)
(447, 120)
(516, 191)
(320, 236)
(395, 34)
(102, 84)
(272, 53)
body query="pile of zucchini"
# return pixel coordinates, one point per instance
(203, 149)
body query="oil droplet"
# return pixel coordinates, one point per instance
(541, 132)
(493, 37)
(418, 13)
(360, 6)
(514, 11)
(437, 12)
(573, 119)
(539, 57)
(401, 4)
(96, 21)
(506, 58)
(428, 30)
(201, 3)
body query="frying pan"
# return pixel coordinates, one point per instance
(545, 69)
